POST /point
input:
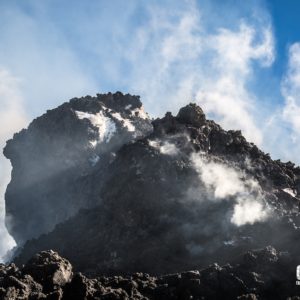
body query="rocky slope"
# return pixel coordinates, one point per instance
(115, 193)
(260, 274)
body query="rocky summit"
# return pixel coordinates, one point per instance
(53, 158)
(120, 196)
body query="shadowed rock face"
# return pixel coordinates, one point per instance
(53, 158)
(166, 197)
(259, 274)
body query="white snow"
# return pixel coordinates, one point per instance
(106, 127)
(290, 191)
(140, 113)
(126, 122)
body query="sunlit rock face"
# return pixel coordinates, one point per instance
(53, 159)
(164, 196)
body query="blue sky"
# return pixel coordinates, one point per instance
(285, 17)
(50, 41)
(239, 60)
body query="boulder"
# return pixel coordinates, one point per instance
(49, 269)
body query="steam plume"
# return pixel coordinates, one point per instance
(13, 118)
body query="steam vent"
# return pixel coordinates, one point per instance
(171, 208)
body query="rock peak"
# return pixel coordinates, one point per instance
(191, 114)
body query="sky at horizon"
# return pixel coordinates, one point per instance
(238, 60)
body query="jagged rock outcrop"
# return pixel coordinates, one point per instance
(170, 196)
(43, 277)
(49, 269)
(53, 157)
(259, 274)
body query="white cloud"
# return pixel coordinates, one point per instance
(177, 58)
(12, 119)
(236, 49)
(163, 52)
(225, 94)
(291, 89)
(282, 125)
(38, 53)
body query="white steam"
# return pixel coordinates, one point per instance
(248, 211)
(164, 147)
(12, 119)
(226, 183)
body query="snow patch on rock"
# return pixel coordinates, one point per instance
(290, 192)
(140, 112)
(126, 123)
(106, 127)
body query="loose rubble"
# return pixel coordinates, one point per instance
(259, 274)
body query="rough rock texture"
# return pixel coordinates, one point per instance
(171, 196)
(259, 274)
(49, 269)
(52, 159)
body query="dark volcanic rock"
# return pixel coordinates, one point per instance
(53, 158)
(166, 197)
(49, 269)
(191, 114)
(158, 214)
(259, 274)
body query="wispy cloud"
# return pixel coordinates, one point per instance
(291, 89)
(38, 53)
(282, 127)
(225, 94)
(176, 58)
